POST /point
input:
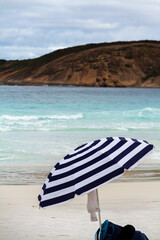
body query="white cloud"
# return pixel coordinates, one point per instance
(37, 24)
(18, 52)
(131, 33)
(93, 24)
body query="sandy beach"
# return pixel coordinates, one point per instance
(122, 203)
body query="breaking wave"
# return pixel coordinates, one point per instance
(143, 113)
(126, 120)
(48, 117)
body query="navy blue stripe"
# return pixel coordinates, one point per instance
(79, 179)
(104, 166)
(123, 139)
(39, 197)
(44, 187)
(64, 165)
(60, 187)
(134, 140)
(88, 187)
(77, 169)
(57, 200)
(109, 138)
(138, 156)
(126, 151)
(85, 149)
(72, 171)
(95, 171)
(100, 181)
(80, 147)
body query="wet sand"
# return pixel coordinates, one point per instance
(36, 174)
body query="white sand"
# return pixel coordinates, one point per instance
(122, 203)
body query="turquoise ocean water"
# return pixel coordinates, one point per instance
(40, 125)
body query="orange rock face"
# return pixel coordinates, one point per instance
(121, 64)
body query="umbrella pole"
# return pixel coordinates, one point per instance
(99, 214)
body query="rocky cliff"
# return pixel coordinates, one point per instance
(121, 64)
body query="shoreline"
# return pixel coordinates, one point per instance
(78, 86)
(135, 203)
(35, 175)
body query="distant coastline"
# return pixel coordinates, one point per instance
(117, 64)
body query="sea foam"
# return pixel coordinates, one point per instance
(41, 117)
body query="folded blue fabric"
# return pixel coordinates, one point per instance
(111, 231)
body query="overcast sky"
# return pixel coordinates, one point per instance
(31, 28)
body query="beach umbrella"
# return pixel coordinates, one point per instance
(90, 166)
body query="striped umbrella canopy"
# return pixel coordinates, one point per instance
(90, 166)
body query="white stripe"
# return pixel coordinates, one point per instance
(59, 203)
(53, 170)
(80, 184)
(90, 158)
(113, 155)
(89, 168)
(97, 176)
(58, 193)
(130, 139)
(93, 167)
(78, 174)
(132, 153)
(133, 166)
(121, 149)
(42, 191)
(60, 181)
(82, 154)
(110, 180)
(80, 149)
